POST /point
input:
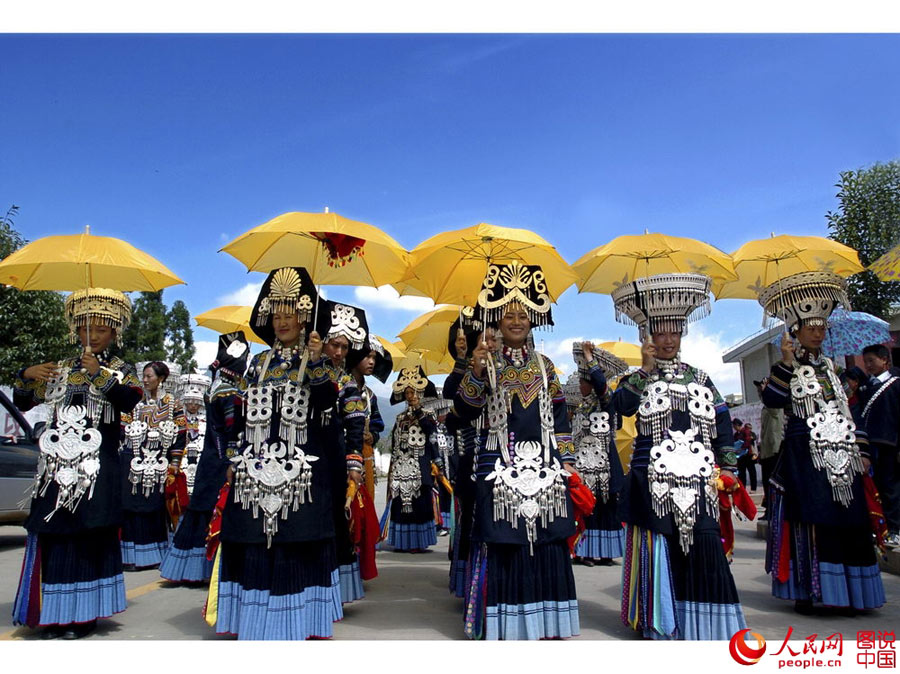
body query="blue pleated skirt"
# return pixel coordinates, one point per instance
(68, 579)
(350, 582)
(145, 538)
(290, 591)
(600, 543)
(411, 536)
(185, 560)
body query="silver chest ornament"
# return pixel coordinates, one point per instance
(529, 484)
(149, 465)
(192, 452)
(592, 443)
(528, 488)
(406, 474)
(275, 475)
(681, 462)
(832, 433)
(70, 458)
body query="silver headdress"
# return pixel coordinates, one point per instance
(572, 391)
(662, 303)
(807, 298)
(100, 306)
(194, 388)
(414, 378)
(612, 366)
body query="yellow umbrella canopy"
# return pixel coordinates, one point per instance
(630, 353)
(334, 250)
(395, 350)
(432, 363)
(762, 262)
(450, 267)
(627, 257)
(429, 332)
(887, 267)
(76, 261)
(229, 318)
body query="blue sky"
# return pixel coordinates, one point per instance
(180, 143)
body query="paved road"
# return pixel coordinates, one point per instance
(409, 600)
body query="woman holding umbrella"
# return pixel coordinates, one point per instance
(594, 427)
(72, 572)
(676, 582)
(522, 583)
(276, 573)
(187, 560)
(820, 543)
(412, 453)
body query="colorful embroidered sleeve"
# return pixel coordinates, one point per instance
(777, 392)
(471, 396)
(598, 378)
(28, 393)
(627, 397)
(723, 443)
(119, 385)
(353, 420)
(323, 391)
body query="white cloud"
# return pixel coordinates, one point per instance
(387, 297)
(244, 296)
(704, 350)
(205, 354)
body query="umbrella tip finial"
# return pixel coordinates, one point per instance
(646, 231)
(772, 234)
(87, 229)
(326, 209)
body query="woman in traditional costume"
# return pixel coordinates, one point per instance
(372, 360)
(820, 547)
(152, 450)
(275, 575)
(676, 580)
(412, 453)
(72, 573)
(186, 561)
(344, 328)
(594, 427)
(521, 581)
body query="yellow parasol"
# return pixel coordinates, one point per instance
(450, 267)
(887, 267)
(76, 261)
(334, 250)
(432, 363)
(395, 351)
(762, 262)
(628, 257)
(630, 353)
(430, 331)
(229, 318)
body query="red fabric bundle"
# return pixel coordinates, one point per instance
(876, 513)
(732, 493)
(176, 495)
(215, 524)
(584, 501)
(364, 532)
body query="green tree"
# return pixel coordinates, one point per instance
(868, 219)
(145, 338)
(32, 323)
(180, 337)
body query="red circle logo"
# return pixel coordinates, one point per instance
(742, 653)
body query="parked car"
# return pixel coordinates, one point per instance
(18, 461)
